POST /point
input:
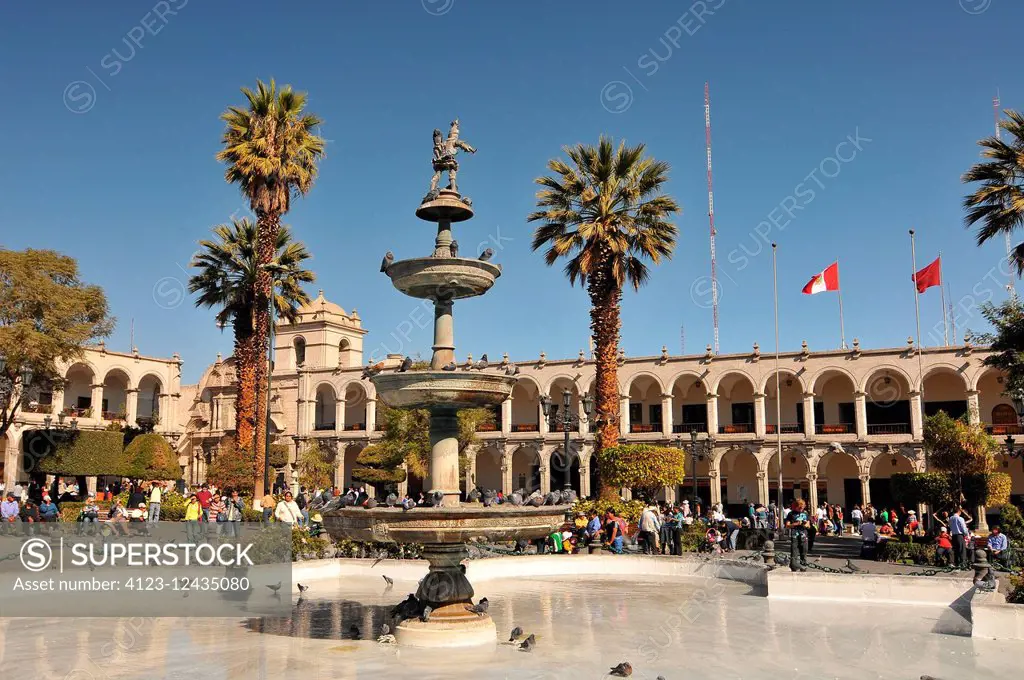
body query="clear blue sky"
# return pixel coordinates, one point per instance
(131, 184)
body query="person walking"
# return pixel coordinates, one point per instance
(233, 515)
(614, 530)
(798, 524)
(193, 512)
(269, 505)
(287, 510)
(857, 516)
(958, 535)
(303, 502)
(155, 497)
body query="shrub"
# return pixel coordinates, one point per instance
(912, 488)
(692, 537)
(232, 468)
(906, 553)
(627, 510)
(379, 464)
(77, 452)
(1012, 524)
(316, 470)
(1016, 594)
(641, 467)
(149, 456)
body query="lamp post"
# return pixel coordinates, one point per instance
(276, 271)
(566, 419)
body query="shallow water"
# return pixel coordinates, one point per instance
(691, 629)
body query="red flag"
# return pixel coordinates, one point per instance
(826, 280)
(929, 276)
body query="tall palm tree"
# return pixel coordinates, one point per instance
(604, 210)
(272, 153)
(997, 206)
(227, 279)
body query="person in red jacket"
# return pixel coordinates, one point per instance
(204, 497)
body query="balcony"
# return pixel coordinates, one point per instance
(558, 427)
(526, 427)
(686, 428)
(37, 408)
(355, 427)
(889, 428)
(486, 427)
(785, 428)
(1004, 429)
(639, 428)
(75, 412)
(834, 428)
(737, 428)
(323, 427)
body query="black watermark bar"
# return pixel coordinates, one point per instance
(143, 569)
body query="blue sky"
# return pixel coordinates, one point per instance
(112, 126)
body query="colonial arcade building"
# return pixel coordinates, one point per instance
(849, 418)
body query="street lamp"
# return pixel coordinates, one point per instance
(566, 419)
(7, 384)
(1010, 450)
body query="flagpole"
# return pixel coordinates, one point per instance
(778, 391)
(842, 329)
(920, 352)
(942, 297)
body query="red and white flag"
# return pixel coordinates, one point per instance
(929, 276)
(826, 280)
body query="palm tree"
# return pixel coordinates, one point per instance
(271, 152)
(228, 279)
(998, 204)
(605, 211)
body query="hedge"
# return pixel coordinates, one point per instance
(641, 467)
(893, 550)
(149, 456)
(77, 452)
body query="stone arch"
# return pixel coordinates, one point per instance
(347, 462)
(488, 464)
(946, 368)
(644, 391)
(834, 401)
(768, 379)
(554, 392)
(356, 397)
(738, 470)
(689, 402)
(526, 405)
(990, 384)
(879, 372)
(792, 402)
(735, 390)
(819, 379)
(526, 463)
(556, 465)
(325, 406)
(117, 384)
(78, 381)
(647, 374)
(881, 467)
(887, 389)
(839, 479)
(148, 398)
(559, 379)
(945, 388)
(795, 468)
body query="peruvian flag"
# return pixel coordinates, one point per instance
(929, 276)
(826, 280)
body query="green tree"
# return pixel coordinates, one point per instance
(997, 206)
(1006, 341)
(316, 469)
(271, 153)
(958, 448)
(643, 468)
(231, 468)
(605, 211)
(149, 456)
(227, 279)
(46, 315)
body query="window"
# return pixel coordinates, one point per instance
(636, 413)
(1003, 414)
(848, 413)
(300, 351)
(695, 414)
(743, 414)
(654, 410)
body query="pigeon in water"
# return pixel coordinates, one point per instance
(406, 609)
(482, 363)
(406, 365)
(436, 499)
(425, 616)
(353, 631)
(389, 259)
(391, 500)
(454, 248)
(511, 369)
(302, 588)
(486, 255)
(480, 608)
(275, 588)
(517, 633)
(452, 366)
(528, 644)
(623, 670)
(388, 580)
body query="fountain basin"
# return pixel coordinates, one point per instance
(444, 278)
(458, 525)
(453, 389)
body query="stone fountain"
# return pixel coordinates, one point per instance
(445, 529)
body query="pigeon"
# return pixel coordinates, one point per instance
(528, 644)
(372, 370)
(473, 496)
(535, 500)
(406, 365)
(388, 580)
(451, 366)
(385, 629)
(354, 632)
(623, 670)
(275, 588)
(425, 616)
(486, 255)
(517, 633)
(436, 499)
(388, 639)
(391, 500)
(302, 588)
(660, 677)
(851, 566)
(482, 363)
(552, 498)
(454, 248)
(370, 503)
(570, 496)
(516, 498)
(511, 369)
(479, 609)
(406, 609)
(389, 259)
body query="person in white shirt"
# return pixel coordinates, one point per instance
(287, 510)
(857, 516)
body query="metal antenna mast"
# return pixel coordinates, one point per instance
(711, 211)
(1009, 246)
(682, 339)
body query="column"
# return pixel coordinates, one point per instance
(97, 402)
(712, 415)
(302, 419)
(132, 406)
(762, 488)
(624, 415)
(812, 486)
(163, 415)
(12, 457)
(861, 410)
(981, 523)
(584, 478)
(339, 415)
(865, 489)
(542, 422)
(916, 416)
(973, 408)
(371, 415)
(545, 476)
(809, 424)
(57, 401)
(759, 421)
(506, 469)
(666, 415)
(506, 417)
(90, 485)
(670, 495)
(716, 486)
(582, 425)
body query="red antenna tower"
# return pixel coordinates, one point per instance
(711, 211)
(1009, 246)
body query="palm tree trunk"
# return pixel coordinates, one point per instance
(267, 226)
(246, 359)
(604, 322)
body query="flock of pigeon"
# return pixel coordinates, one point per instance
(407, 363)
(519, 498)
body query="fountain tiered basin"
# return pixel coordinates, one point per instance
(452, 278)
(452, 389)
